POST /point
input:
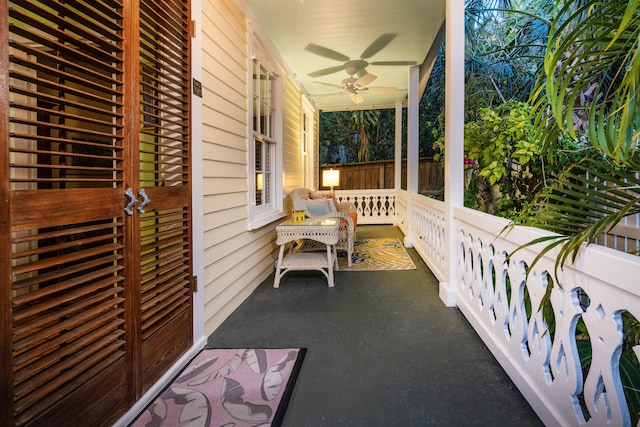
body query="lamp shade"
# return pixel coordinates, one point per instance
(331, 178)
(259, 181)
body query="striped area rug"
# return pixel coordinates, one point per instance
(377, 254)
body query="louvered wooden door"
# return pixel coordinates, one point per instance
(164, 224)
(95, 287)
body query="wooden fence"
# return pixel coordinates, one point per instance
(381, 175)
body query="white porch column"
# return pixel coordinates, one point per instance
(397, 163)
(454, 141)
(397, 180)
(413, 148)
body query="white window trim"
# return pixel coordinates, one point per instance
(259, 216)
(308, 157)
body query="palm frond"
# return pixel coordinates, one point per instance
(586, 200)
(592, 50)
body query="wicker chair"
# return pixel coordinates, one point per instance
(347, 226)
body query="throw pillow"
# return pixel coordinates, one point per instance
(325, 195)
(354, 217)
(320, 207)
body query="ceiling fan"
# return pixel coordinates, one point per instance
(353, 86)
(354, 66)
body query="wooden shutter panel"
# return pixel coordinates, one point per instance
(165, 141)
(65, 137)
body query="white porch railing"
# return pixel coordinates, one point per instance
(501, 302)
(427, 234)
(402, 205)
(495, 295)
(374, 206)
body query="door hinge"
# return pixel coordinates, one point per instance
(192, 28)
(195, 284)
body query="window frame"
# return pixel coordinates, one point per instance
(267, 206)
(308, 148)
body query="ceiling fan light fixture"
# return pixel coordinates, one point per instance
(348, 82)
(356, 98)
(351, 70)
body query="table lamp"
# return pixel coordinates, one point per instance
(331, 178)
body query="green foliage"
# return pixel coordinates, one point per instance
(500, 137)
(591, 77)
(507, 168)
(500, 143)
(504, 50)
(431, 111)
(590, 90)
(504, 157)
(334, 133)
(361, 135)
(370, 134)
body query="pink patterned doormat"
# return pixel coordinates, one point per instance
(230, 388)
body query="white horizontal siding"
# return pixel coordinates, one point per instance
(292, 138)
(215, 151)
(224, 169)
(224, 217)
(235, 260)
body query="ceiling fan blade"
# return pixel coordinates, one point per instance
(393, 63)
(380, 89)
(356, 98)
(329, 94)
(362, 72)
(365, 80)
(326, 52)
(377, 45)
(328, 84)
(326, 71)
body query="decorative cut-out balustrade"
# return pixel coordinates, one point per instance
(566, 353)
(374, 206)
(427, 234)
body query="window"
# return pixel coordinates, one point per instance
(265, 185)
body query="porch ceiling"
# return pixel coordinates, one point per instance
(318, 38)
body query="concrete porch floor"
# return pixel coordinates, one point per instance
(382, 350)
